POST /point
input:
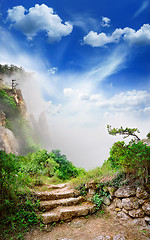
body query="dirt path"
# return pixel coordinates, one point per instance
(90, 228)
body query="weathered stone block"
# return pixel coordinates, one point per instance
(106, 201)
(146, 208)
(111, 191)
(141, 193)
(118, 203)
(125, 192)
(147, 219)
(130, 203)
(136, 213)
(91, 184)
(123, 216)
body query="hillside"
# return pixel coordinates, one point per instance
(17, 133)
(119, 189)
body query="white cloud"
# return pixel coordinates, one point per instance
(79, 110)
(105, 22)
(68, 91)
(39, 18)
(142, 8)
(139, 37)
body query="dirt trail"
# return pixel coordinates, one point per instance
(90, 228)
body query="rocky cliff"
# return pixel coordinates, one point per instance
(15, 127)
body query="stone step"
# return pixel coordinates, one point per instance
(49, 205)
(58, 186)
(57, 194)
(67, 213)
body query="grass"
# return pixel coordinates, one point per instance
(103, 173)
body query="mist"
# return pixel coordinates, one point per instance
(70, 110)
(73, 123)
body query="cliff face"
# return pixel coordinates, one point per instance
(15, 127)
(8, 142)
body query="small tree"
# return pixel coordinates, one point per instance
(133, 157)
(126, 132)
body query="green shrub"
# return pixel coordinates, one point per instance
(132, 157)
(97, 200)
(66, 169)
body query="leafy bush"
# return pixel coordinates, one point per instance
(97, 200)
(17, 208)
(8, 100)
(66, 168)
(132, 157)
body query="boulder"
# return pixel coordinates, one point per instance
(125, 211)
(130, 203)
(118, 203)
(141, 201)
(111, 191)
(123, 216)
(147, 219)
(106, 201)
(146, 208)
(125, 192)
(136, 213)
(8, 142)
(91, 184)
(141, 193)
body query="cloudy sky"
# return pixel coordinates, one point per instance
(91, 62)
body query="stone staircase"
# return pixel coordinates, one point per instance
(60, 202)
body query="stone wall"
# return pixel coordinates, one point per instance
(129, 204)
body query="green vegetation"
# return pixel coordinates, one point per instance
(148, 135)
(16, 122)
(9, 70)
(126, 132)
(132, 158)
(18, 175)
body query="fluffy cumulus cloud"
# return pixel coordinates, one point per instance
(68, 91)
(105, 22)
(139, 37)
(136, 101)
(36, 19)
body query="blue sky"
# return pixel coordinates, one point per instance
(91, 62)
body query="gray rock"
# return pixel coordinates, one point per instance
(106, 201)
(139, 222)
(91, 184)
(118, 203)
(130, 203)
(125, 192)
(123, 216)
(136, 213)
(102, 237)
(141, 193)
(91, 191)
(141, 201)
(119, 237)
(147, 219)
(125, 211)
(111, 191)
(8, 142)
(146, 208)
